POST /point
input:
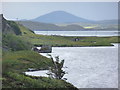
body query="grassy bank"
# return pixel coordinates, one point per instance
(15, 63)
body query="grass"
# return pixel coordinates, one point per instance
(22, 60)
(40, 82)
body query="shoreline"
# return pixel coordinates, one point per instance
(83, 46)
(82, 30)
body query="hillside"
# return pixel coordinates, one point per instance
(51, 27)
(9, 27)
(100, 25)
(10, 39)
(17, 57)
(68, 26)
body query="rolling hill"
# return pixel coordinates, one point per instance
(51, 27)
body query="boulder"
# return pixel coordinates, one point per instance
(45, 49)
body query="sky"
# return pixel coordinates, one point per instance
(59, 0)
(87, 10)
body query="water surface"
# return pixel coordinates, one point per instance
(89, 67)
(79, 33)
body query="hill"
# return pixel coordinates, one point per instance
(51, 27)
(60, 17)
(10, 39)
(105, 25)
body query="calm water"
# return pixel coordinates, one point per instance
(88, 67)
(79, 33)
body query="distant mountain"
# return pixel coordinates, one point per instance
(60, 17)
(48, 21)
(51, 27)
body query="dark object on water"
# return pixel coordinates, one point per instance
(43, 49)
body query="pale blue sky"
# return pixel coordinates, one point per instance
(87, 10)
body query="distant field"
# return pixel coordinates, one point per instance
(90, 27)
(94, 25)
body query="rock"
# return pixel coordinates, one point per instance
(45, 49)
(35, 49)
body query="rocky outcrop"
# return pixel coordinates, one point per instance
(5, 27)
(9, 27)
(43, 49)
